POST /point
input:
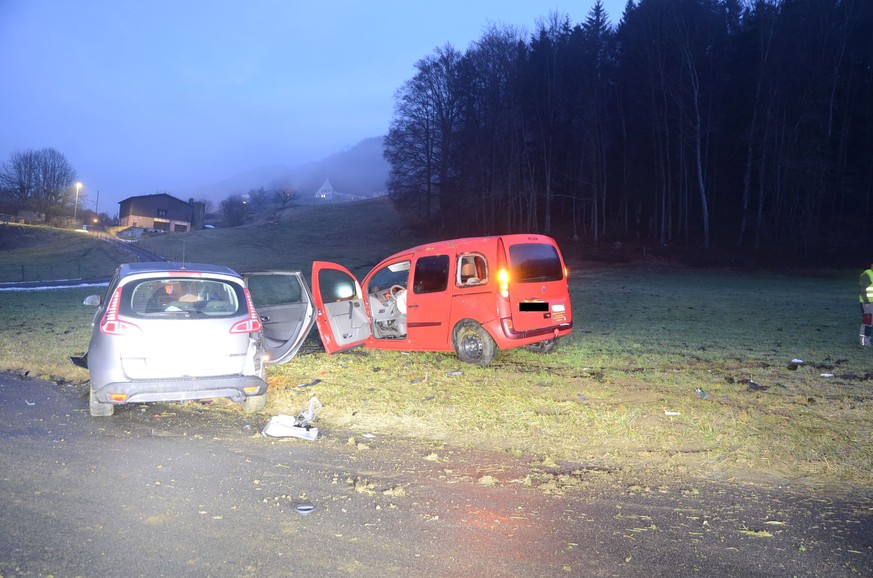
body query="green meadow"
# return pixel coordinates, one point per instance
(669, 370)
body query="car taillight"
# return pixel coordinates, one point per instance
(253, 323)
(111, 324)
(502, 270)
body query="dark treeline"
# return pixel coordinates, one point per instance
(693, 124)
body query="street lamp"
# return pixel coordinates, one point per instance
(76, 206)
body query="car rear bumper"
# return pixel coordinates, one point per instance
(535, 335)
(235, 387)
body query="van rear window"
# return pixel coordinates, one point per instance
(535, 262)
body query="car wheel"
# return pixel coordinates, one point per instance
(547, 346)
(255, 403)
(473, 344)
(99, 409)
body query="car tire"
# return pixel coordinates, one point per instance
(547, 346)
(99, 409)
(472, 343)
(255, 403)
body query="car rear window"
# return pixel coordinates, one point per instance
(535, 262)
(182, 298)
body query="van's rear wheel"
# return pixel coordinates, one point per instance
(472, 343)
(547, 346)
(99, 409)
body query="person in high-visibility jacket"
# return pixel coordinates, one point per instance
(866, 299)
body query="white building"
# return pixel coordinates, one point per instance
(325, 193)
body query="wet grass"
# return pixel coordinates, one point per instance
(668, 370)
(622, 392)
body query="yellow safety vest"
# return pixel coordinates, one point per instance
(866, 286)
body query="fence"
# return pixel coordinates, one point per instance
(15, 273)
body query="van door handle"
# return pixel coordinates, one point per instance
(412, 306)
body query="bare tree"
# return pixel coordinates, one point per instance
(234, 210)
(38, 179)
(284, 194)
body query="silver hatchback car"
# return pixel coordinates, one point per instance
(175, 332)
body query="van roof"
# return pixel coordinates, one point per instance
(468, 243)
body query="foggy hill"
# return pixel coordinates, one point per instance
(360, 171)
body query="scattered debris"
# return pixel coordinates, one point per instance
(797, 361)
(701, 393)
(454, 373)
(827, 375)
(420, 379)
(304, 508)
(671, 412)
(285, 426)
(310, 384)
(755, 386)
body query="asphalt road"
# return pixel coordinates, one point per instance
(196, 490)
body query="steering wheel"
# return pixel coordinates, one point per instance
(395, 290)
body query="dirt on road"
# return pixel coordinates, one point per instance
(196, 489)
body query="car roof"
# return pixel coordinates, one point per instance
(172, 267)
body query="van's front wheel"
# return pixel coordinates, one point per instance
(472, 343)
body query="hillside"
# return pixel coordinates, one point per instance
(355, 234)
(36, 253)
(360, 170)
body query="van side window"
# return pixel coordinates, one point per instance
(472, 270)
(431, 274)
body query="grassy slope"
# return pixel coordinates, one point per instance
(645, 339)
(357, 235)
(33, 253)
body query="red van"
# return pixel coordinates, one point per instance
(471, 295)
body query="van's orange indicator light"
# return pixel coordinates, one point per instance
(503, 282)
(118, 397)
(251, 390)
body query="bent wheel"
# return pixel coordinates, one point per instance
(472, 343)
(547, 346)
(99, 409)
(255, 403)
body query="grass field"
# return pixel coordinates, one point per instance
(668, 370)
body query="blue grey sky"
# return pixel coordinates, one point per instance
(168, 95)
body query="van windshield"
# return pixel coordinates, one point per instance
(535, 262)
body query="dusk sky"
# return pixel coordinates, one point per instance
(169, 95)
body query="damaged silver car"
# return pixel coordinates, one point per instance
(186, 331)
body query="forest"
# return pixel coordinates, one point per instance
(703, 127)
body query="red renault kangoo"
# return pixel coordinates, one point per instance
(473, 296)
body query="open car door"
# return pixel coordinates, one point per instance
(284, 304)
(340, 314)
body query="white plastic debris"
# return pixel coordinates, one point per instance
(796, 360)
(668, 412)
(284, 425)
(827, 375)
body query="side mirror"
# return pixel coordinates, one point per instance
(92, 300)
